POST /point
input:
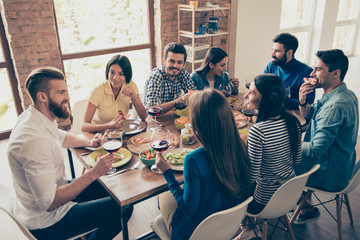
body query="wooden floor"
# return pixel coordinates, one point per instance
(325, 228)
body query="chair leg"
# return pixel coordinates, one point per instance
(348, 208)
(289, 227)
(297, 211)
(264, 230)
(338, 212)
(71, 162)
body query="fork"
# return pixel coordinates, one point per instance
(125, 170)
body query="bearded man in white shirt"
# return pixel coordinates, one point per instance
(49, 205)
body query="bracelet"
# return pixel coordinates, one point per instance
(303, 104)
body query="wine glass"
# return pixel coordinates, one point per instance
(248, 83)
(111, 142)
(249, 112)
(225, 88)
(159, 141)
(154, 112)
(287, 91)
(181, 104)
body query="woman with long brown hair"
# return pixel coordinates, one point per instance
(216, 174)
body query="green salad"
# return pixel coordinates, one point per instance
(176, 158)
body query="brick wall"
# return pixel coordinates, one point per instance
(32, 38)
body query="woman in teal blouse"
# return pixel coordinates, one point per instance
(212, 72)
(216, 175)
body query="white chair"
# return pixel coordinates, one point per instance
(11, 227)
(340, 197)
(221, 225)
(78, 113)
(284, 200)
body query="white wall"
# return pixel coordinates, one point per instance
(257, 23)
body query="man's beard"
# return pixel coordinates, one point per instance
(281, 61)
(57, 109)
(172, 75)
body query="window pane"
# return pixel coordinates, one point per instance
(93, 25)
(84, 74)
(8, 113)
(343, 38)
(301, 52)
(348, 10)
(295, 13)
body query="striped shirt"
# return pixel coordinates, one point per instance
(159, 88)
(272, 161)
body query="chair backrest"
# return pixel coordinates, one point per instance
(223, 224)
(78, 115)
(10, 227)
(286, 197)
(354, 180)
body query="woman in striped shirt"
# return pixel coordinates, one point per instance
(274, 143)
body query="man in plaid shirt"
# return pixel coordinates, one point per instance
(169, 84)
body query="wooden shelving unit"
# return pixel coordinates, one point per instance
(190, 34)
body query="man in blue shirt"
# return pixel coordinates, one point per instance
(290, 70)
(332, 133)
(165, 86)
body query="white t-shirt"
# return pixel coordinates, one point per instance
(36, 162)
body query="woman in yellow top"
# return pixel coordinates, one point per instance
(113, 96)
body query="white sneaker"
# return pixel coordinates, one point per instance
(249, 234)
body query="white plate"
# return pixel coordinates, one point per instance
(176, 150)
(93, 148)
(132, 126)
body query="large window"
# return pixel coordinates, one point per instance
(297, 19)
(91, 32)
(346, 25)
(10, 105)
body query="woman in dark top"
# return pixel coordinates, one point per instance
(216, 175)
(212, 71)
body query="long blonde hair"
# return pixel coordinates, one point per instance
(214, 125)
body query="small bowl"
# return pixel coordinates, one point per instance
(147, 162)
(178, 125)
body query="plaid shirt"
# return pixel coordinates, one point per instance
(160, 89)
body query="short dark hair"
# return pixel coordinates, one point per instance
(289, 41)
(175, 48)
(38, 80)
(213, 55)
(334, 59)
(124, 63)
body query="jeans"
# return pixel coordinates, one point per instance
(95, 209)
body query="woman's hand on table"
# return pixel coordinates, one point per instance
(161, 162)
(103, 164)
(96, 140)
(116, 122)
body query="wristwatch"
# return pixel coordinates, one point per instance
(304, 104)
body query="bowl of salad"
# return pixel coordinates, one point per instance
(147, 157)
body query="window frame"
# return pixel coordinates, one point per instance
(8, 64)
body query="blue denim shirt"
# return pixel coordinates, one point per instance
(331, 138)
(201, 81)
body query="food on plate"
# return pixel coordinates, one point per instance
(240, 124)
(148, 154)
(244, 137)
(174, 140)
(312, 81)
(176, 158)
(242, 117)
(236, 103)
(236, 113)
(117, 156)
(139, 140)
(114, 135)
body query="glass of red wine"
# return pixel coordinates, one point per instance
(112, 141)
(225, 88)
(160, 141)
(180, 105)
(249, 112)
(154, 112)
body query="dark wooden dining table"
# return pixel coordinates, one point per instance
(140, 184)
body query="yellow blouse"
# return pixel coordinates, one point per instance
(107, 106)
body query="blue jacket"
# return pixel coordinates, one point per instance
(292, 74)
(201, 81)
